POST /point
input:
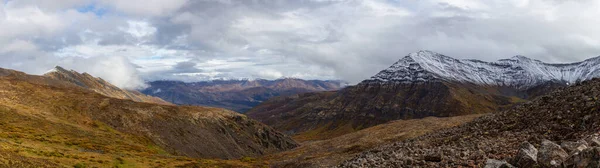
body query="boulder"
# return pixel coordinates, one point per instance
(527, 155)
(594, 141)
(551, 154)
(574, 147)
(589, 157)
(491, 163)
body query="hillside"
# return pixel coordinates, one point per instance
(87, 81)
(566, 116)
(331, 152)
(236, 95)
(51, 123)
(420, 85)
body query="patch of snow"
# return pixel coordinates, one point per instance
(519, 71)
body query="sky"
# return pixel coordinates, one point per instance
(131, 42)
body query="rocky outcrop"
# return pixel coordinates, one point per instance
(99, 85)
(236, 95)
(552, 155)
(561, 117)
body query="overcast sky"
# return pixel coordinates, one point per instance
(128, 42)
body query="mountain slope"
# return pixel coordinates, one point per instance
(331, 152)
(419, 85)
(566, 115)
(99, 85)
(237, 95)
(48, 120)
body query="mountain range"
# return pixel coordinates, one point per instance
(419, 85)
(236, 95)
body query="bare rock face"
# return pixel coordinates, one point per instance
(551, 154)
(527, 156)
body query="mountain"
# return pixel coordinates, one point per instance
(556, 130)
(236, 95)
(419, 85)
(517, 72)
(99, 85)
(53, 123)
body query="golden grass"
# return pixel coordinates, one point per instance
(49, 132)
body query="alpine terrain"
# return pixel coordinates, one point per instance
(55, 122)
(236, 95)
(419, 85)
(561, 129)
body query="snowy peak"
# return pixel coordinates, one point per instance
(518, 71)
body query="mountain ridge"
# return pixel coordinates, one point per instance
(99, 85)
(518, 71)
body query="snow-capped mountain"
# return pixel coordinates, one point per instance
(518, 72)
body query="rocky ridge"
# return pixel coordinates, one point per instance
(99, 85)
(565, 115)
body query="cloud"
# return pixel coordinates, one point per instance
(313, 39)
(145, 7)
(117, 70)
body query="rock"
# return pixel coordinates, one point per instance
(527, 155)
(594, 141)
(434, 157)
(589, 157)
(491, 163)
(551, 154)
(573, 147)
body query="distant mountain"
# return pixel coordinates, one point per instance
(236, 95)
(48, 122)
(99, 85)
(419, 85)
